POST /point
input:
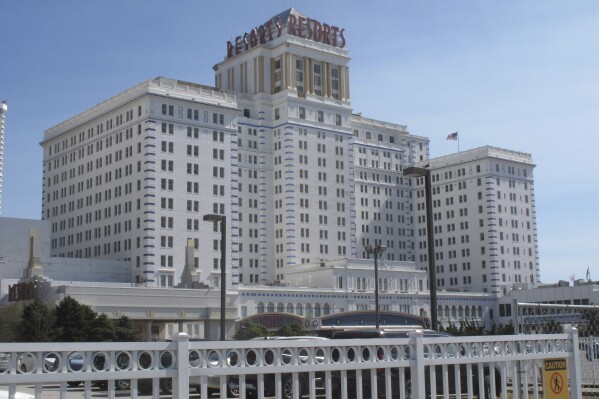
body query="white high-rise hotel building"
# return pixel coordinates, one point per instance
(275, 148)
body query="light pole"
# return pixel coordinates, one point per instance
(414, 171)
(376, 250)
(223, 268)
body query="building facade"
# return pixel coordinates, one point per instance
(279, 153)
(131, 178)
(275, 148)
(485, 231)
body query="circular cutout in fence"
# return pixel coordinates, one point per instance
(451, 351)
(76, 362)
(474, 350)
(497, 348)
(462, 350)
(167, 360)
(319, 356)
(123, 361)
(26, 363)
(407, 353)
(509, 348)
(351, 355)
(213, 358)
(269, 357)
(304, 356)
(233, 358)
(99, 361)
(4, 362)
(335, 355)
(52, 362)
(380, 353)
(438, 351)
(195, 360)
(427, 351)
(486, 349)
(394, 353)
(251, 358)
(145, 360)
(286, 356)
(365, 353)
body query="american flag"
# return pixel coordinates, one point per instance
(453, 136)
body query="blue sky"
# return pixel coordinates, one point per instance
(522, 75)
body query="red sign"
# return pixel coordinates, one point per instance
(21, 291)
(303, 27)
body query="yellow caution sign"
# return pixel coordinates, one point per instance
(555, 378)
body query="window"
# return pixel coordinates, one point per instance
(302, 113)
(277, 114)
(277, 74)
(338, 120)
(299, 74)
(335, 82)
(317, 79)
(320, 116)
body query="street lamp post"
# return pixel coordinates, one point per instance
(414, 171)
(223, 268)
(376, 250)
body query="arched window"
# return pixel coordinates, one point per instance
(271, 307)
(317, 310)
(289, 307)
(480, 312)
(260, 308)
(326, 309)
(299, 310)
(447, 315)
(460, 312)
(280, 307)
(467, 311)
(453, 312)
(308, 309)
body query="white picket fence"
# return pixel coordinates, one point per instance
(359, 368)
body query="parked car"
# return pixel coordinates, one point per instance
(251, 380)
(366, 380)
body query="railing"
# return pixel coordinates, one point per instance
(361, 368)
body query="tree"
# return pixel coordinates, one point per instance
(249, 330)
(74, 322)
(36, 322)
(10, 321)
(452, 329)
(103, 330)
(470, 327)
(291, 330)
(125, 331)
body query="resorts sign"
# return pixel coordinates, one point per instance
(301, 26)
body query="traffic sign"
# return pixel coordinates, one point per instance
(555, 379)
